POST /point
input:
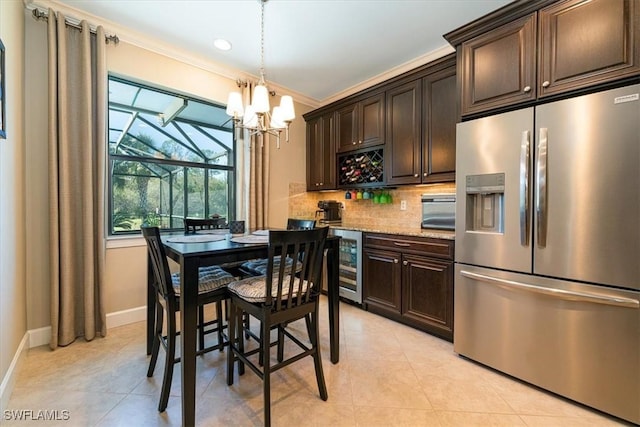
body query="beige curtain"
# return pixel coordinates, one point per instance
(77, 145)
(258, 200)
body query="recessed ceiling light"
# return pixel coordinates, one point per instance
(222, 44)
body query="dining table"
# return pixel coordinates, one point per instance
(193, 253)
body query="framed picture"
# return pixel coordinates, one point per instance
(3, 129)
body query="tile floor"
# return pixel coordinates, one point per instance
(388, 375)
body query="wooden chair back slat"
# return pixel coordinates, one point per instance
(158, 259)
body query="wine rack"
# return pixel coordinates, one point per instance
(361, 169)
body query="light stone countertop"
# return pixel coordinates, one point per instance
(402, 231)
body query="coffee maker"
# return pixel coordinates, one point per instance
(330, 211)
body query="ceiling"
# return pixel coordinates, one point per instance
(318, 49)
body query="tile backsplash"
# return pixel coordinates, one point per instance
(303, 204)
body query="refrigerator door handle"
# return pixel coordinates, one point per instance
(559, 293)
(541, 193)
(524, 188)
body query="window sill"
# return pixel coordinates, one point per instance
(114, 242)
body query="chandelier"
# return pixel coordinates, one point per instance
(255, 117)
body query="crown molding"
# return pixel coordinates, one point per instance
(143, 41)
(393, 72)
(146, 42)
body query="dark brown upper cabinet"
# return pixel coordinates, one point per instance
(405, 126)
(361, 124)
(403, 149)
(587, 42)
(421, 127)
(498, 68)
(321, 153)
(440, 115)
(532, 49)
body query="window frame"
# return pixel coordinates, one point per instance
(230, 169)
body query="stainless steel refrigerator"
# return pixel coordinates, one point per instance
(547, 277)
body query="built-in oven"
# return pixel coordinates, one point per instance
(350, 269)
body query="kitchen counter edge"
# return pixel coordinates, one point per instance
(400, 231)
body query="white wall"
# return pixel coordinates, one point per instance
(13, 317)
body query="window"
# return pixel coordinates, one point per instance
(171, 156)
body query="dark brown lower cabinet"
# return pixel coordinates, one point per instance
(410, 279)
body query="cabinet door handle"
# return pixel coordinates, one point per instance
(395, 260)
(359, 142)
(322, 183)
(424, 174)
(545, 83)
(527, 89)
(405, 262)
(354, 143)
(416, 175)
(402, 244)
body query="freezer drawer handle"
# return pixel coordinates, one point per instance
(524, 189)
(561, 293)
(541, 194)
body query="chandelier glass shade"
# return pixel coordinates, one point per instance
(255, 117)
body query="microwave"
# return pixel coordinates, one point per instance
(439, 211)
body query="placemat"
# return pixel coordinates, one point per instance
(196, 238)
(252, 238)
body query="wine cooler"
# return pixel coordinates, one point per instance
(350, 268)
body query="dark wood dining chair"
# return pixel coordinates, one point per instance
(212, 283)
(258, 267)
(276, 300)
(192, 225)
(300, 224)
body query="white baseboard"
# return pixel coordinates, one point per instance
(124, 317)
(40, 336)
(9, 380)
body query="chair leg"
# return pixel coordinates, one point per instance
(169, 362)
(281, 342)
(260, 355)
(231, 314)
(317, 359)
(219, 323)
(265, 346)
(307, 322)
(155, 348)
(247, 325)
(239, 319)
(200, 327)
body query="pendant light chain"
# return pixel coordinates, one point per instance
(262, 79)
(256, 117)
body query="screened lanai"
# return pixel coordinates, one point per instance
(171, 156)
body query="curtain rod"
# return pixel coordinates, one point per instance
(39, 15)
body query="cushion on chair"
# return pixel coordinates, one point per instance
(254, 289)
(258, 267)
(210, 278)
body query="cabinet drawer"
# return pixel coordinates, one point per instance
(411, 244)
